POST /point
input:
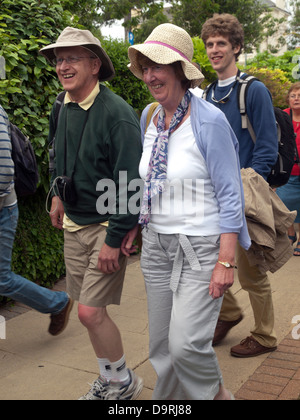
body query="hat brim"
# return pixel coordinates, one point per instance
(161, 55)
(107, 71)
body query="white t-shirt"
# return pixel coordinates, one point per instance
(188, 205)
(197, 92)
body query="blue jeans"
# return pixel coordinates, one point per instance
(16, 287)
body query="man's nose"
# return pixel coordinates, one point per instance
(214, 47)
(64, 64)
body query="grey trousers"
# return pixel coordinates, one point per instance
(182, 314)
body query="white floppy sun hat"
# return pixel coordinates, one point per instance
(73, 37)
(167, 44)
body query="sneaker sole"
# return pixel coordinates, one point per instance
(139, 389)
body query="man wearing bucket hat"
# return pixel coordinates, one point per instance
(97, 137)
(192, 212)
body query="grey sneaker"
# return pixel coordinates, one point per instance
(130, 391)
(98, 390)
(103, 390)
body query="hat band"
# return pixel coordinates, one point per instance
(168, 46)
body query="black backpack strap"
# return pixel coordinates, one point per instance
(58, 107)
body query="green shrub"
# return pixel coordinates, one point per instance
(31, 85)
(125, 84)
(277, 83)
(286, 62)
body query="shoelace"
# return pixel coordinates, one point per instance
(98, 389)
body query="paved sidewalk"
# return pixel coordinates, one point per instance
(278, 377)
(36, 366)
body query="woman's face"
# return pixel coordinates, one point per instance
(294, 99)
(163, 84)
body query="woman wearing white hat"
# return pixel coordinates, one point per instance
(192, 212)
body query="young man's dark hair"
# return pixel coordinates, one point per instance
(227, 26)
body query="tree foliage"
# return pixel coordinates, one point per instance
(125, 84)
(287, 62)
(112, 10)
(253, 15)
(191, 14)
(295, 25)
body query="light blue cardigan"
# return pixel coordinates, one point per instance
(220, 149)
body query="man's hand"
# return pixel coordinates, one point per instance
(127, 248)
(108, 260)
(57, 213)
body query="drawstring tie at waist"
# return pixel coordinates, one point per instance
(184, 248)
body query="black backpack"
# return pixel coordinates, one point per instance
(26, 171)
(287, 148)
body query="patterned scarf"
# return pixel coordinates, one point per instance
(158, 164)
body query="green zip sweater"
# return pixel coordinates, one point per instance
(111, 142)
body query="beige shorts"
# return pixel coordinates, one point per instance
(85, 283)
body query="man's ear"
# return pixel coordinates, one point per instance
(237, 49)
(97, 64)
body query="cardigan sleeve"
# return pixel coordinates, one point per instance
(223, 167)
(220, 149)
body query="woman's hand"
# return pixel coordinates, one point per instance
(223, 278)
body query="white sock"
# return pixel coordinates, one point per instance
(119, 371)
(105, 368)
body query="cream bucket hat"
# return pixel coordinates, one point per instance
(167, 44)
(73, 37)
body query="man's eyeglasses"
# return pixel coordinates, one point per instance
(70, 60)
